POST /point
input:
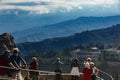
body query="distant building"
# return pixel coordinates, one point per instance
(111, 55)
(83, 55)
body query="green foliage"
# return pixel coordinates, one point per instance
(100, 38)
(49, 57)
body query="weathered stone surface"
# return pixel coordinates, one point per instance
(6, 42)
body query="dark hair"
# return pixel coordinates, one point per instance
(7, 51)
(76, 59)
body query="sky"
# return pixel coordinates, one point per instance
(51, 11)
(53, 6)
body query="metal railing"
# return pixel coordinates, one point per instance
(99, 78)
(104, 73)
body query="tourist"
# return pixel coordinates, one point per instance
(75, 69)
(18, 61)
(94, 71)
(5, 63)
(88, 60)
(58, 69)
(34, 66)
(87, 71)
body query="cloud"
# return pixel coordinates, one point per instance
(51, 6)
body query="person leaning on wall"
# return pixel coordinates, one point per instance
(18, 62)
(58, 69)
(5, 62)
(34, 66)
(75, 69)
(87, 71)
(95, 71)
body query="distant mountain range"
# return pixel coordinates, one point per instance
(65, 28)
(106, 36)
(23, 21)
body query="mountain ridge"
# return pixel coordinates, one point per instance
(65, 28)
(106, 36)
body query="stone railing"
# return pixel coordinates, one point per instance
(52, 76)
(66, 76)
(46, 76)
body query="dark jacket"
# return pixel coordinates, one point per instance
(58, 66)
(74, 64)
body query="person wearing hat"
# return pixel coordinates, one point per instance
(16, 59)
(94, 71)
(87, 62)
(89, 59)
(87, 71)
(75, 69)
(58, 65)
(34, 66)
(58, 69)
(5, 62)
(18, 62)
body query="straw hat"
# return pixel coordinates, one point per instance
(16, 49)
(34, 58)
(89, 59)
(58, 59)
(92, 63)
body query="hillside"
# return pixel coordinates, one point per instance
(106, 36)
(65, 28)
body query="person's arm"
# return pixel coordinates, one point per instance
(16, 64)
(12, 62)
(96, 71)
(23, 61)
(61, 62)
(11, 65)
(37, 66)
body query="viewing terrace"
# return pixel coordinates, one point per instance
(46, 75)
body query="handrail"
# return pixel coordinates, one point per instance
(44, 75)
(99, 78)
(106, 74)
(28, 70)
(48, 72)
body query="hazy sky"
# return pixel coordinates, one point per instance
(53, 6)
(30, 13)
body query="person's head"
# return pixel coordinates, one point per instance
(15, 51)
(89, 59)
(7, 52)
(92, 64)
(34, 59)
(58, 59)
(75, 60)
